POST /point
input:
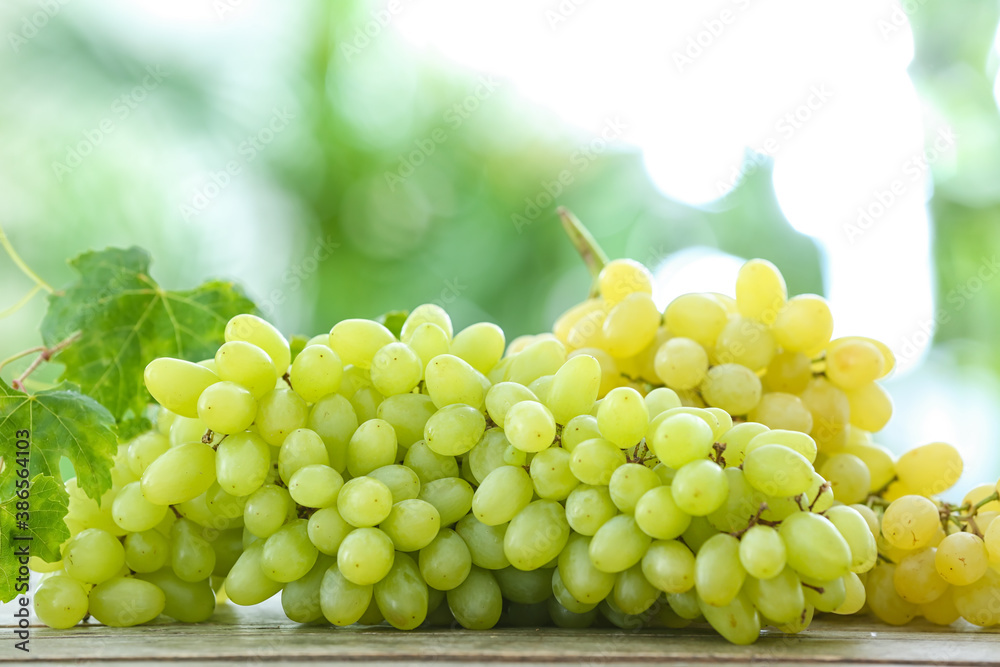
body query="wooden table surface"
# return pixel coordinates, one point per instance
(263, 635)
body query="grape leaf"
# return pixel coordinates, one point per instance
(61, 422)
(126, 320)
(44, 525)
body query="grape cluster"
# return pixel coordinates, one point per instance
(638, 468)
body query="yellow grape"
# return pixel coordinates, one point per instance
(746, 342)
(878, 459)
(805, 324)
(853, 363)
(631, 325)
(760, 290)
(849, 477)
(788, 372)
(910, 522)
(782, 411)
(884, 601)
(732, 387)
(870, 407)
(622, 277)
(930, 469)
(697, 316)
(681, 363)
(962, 559)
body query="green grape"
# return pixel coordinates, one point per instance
(446, 561)
(454, 429)
(191, 556)
(503, 396)
(762, 554)
(372, 446)
(228, 546)
(742, 503)
(527, 587)
(428, 340)
(736, 439)
(854, 529)
(804, 324)
(180, 474)
(266, 510)
(737, 621)
(302, 447)
(579, 429)
(93, 556)
(451, 380)
(779, 598)
(658, 515)
(745, 342)
(407, 413)
(505, 492)
(565, 599)
(185, 601)
(700, 488)
(696, 316)
(396, 369)
(595, 460)
(242, 462)
(402, 596)
(327, 529)
(144, 449)
(133, 513)
(800, 442)
(227, 407)
(289, 554)
(402, 482)
(588, 507)
(853, 363)
(621, 277)
(814, 547)
(659, 401)
(365, 556)
(412, 524)
(718, 574)
(279, 413)
(618, 544)
(37, 564)
(977, 601)
(428, 464)
(301, 600)
(198, 511)
(632, 593)
(342, 601)
(631, 325)
(685, 605)
(800, 624)
(681, 363)
(870, 406)
(854, 596)
(551, 474)
(991, 539)
(176, 384)
(486, 543)
(930, 469)
(356, 341)
(825, 596)
(623, 417)
(261, 333)
(334, 420)
(125, 602)
(962, 559)
(365, 402)
(488, 453)
(732, 387)
(316, 486)
(669, 566)
(778, 470)
(871, 519)
(364, 502)
(576, 572)
(84, 512)
(536, 534)
(147, 551)
(563, 618)
(725, 421)
(426, 313)
(916, 578)
(316, 372)
(760, 290)
(529, 426)
(512, 456)
(60, 602)
(574, 388)
(882, 598)
(480, 345)
(830, 410)
(451, 496)
(544, 356)
(778, 410)
(680, 439)
(910, 522)
(185, 430)
(788, 372)
(879, 461)
(476, 603)
(247, 365)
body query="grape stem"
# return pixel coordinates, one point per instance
(818, 589)
(754, 520)
(19, 263)
(21, 302)
(592, 254)
(719, 448)
(45, 354)
(822, 487)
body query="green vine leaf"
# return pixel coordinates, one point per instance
(43, 524)
(126, 320)
(62, 422)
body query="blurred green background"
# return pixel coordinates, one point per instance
(250, 144)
